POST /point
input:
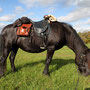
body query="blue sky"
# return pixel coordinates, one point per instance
(74, 12)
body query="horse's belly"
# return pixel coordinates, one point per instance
(26, 45)
(31, 50)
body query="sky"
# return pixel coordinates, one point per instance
(74, 12)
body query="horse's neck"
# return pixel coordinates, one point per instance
(76, 43)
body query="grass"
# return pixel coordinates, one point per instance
(63, 73)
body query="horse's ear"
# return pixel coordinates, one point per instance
(17, 23)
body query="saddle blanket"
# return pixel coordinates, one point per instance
(24, 30)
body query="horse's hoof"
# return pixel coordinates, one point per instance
(1, 75)
(14, 71)
(46, 73)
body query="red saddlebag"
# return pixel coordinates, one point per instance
(24, 30)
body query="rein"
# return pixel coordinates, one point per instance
(81, 62)
(76, 87)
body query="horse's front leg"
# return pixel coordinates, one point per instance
(50, 52)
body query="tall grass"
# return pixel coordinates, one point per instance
(63, 73)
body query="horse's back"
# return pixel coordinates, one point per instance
(56, 37)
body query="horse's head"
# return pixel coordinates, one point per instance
(83, 62)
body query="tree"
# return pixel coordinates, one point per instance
(85, 36)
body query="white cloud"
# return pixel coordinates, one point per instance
(33, 3)
(79, 3)
(1, 10)
(80, 14)
(2, 24)
(28, 3)
(87, 22)
(7, 18)
(50, 10)
(19, 10)
(83, 23)
(46, 3)
(28, 15)
(66, 3)
(81, 28)
(75, 15)
(83, 3)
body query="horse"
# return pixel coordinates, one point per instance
(61, 34)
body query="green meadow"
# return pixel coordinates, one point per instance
(63, 72)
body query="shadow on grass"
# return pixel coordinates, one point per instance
(87, 89)
(58, 62)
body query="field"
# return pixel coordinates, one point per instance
(63, 73)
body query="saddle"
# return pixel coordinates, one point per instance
(23, 24)
(42, 27)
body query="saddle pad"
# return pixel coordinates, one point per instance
(24, 30)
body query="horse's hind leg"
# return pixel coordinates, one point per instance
(50, 52)
(12, 58)
(3, 58)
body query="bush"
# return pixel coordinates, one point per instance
(85, 36)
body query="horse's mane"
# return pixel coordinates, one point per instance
(68, 25)
(74, 37)
(70, 30)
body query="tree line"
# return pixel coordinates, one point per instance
(85, 36)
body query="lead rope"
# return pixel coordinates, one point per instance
(76, 87)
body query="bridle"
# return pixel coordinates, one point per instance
(80, 63)
(82, 58)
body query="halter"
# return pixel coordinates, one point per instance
(81, 62)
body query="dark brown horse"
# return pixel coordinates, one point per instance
(61, 34)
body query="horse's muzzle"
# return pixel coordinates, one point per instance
(84, 71)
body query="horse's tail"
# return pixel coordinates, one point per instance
(1, 51)
(1, 44)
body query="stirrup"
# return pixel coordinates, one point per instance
(43, 46)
